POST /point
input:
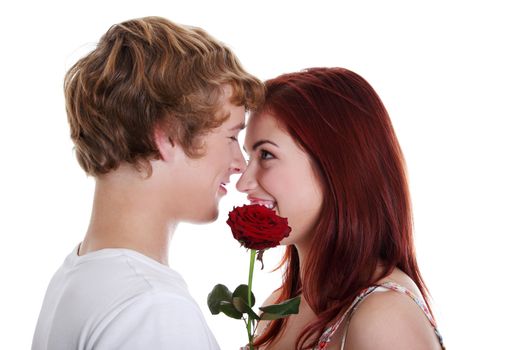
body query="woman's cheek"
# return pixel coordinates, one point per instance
(279, 185)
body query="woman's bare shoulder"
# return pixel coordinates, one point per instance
(390, 320)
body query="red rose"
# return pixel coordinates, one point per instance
(257, 227)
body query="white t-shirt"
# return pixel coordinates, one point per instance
(119, 299)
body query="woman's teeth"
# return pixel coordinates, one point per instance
(269, 205)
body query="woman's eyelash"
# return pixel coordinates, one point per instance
(262, 155)
(234, 138)
(265, 155)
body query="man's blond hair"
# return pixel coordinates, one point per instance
(147, 73)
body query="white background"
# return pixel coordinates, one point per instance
(451, 74)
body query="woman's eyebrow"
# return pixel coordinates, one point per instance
(259, 143)
(262, 142)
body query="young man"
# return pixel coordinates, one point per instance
(154, 112)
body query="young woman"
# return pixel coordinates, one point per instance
(323, 153)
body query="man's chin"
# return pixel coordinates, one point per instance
(207, 217)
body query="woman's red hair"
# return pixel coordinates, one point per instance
(366, 218)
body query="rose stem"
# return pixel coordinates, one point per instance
(250, 278)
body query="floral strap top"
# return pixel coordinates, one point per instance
(325, 338)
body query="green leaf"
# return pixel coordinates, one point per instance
(242, 306)
(218, 294)
(229, 310)
(242, 292)
(286, 308)
(240, 301)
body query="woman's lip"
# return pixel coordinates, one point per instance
(269, 203)
(255, 199)
(223, 188)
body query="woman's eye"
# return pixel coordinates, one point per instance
(234, 138)
(265, 155)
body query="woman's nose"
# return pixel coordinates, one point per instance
(247, 181)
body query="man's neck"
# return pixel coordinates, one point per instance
(126, 217)
(154, 248)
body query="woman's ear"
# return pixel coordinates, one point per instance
(164, 143)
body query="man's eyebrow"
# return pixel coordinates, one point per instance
(239, 126)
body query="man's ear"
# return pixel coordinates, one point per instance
(164, 143)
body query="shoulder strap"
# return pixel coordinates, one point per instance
(420, 302)
(325, 338)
